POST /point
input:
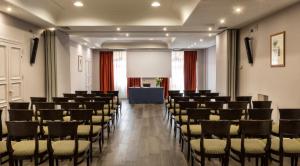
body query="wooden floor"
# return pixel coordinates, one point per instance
(143, 138)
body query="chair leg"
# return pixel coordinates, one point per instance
(242, 158)
(292, 161)
(189, 150)
(175, 129)
(100, 142)
(202, 160)
(182, 145)
(256, 161)
(192, 160)
(91, 150)
(56, 162)
(281, 160)
(296, 161)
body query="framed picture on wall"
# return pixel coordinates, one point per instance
(277, 46)
(80, 63)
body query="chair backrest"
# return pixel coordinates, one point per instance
(35, 100)
(187, 104)
(198, 114)
(289, 128)
(97, 93)
(230, 114)
(88, 95)
(19, 105)
(180, 98)
(62, 130)
(51, 115)
(20, 115)
(114, 92)
(21, 129)
(188, 92)
(260, 113)
(82, 100)
(81, 114)
(224, 99)
(194, 94)
(202, 100)
(106, 100)
(256, 128)
(220, 128)
(70, 105)
(214, 105)
(97, 105)
(214, 94)
(243, 98)
(59, 100)
(70, 96)
(289, 113)
(80, 92)
(204, 92)
(261, 104)
(238, 105)
(44, 105)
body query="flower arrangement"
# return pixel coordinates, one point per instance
(158, 82)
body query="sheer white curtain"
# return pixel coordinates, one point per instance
(120, 71)
(177, 78)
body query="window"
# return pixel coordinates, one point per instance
(177, 78)
(120, 70)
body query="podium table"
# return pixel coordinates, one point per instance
(146, 95)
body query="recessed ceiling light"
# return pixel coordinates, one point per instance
(209, 34)
(78, 4)
(85, 44)
(9, 9)
(238, 10)
(51, 29)
(127, 34)
(165, 28)
(222, 21)
(151, 39)
(209, 28)
(167, 34)
(115, 39)
(201, 40)
(155, 4)
(118, 28)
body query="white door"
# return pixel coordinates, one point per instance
(10, 75)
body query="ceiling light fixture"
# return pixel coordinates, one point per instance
(127, 34)
(115, 39)
(209, 28)
(151, 39)
(51, 29)
(222, 21)
(155, 4)
(167, 34)
(85, 44)
(201, 40)
(9, 9)
(118, 29)
(165, 29)
(78, 4)
(238, 10)
(209, 34)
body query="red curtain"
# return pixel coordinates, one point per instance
(133, 82)
(190, 60)
(106, 71)
(165, 85)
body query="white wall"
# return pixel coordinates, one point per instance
(63, 63)
(211, 68)
(78, 79)
(281, 84)
(96, 70)
(221, 63)
(201, 69)
(148, 63)
(33, 76)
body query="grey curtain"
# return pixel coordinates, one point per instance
(50, 64)
(232, 61)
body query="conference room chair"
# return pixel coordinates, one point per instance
(108, 109)
(3, 150)
(204, 92)
(244, 98)
(224, 99)
(23, 143)
(19, 105)
(239, 105)
(234, 116)
(188, 92)
(80, 92)
(86, 129)
(181, 116)
(214, 107)
(285, 113)
(192, 129)
(117, 101)
(255, 141)
(260, 113)
(99, 119)
(261, 104)
(67, 106)
(214, 142)
(170, 102)
(43, 105)
(48, 115)
(176, 108)
(63, 144)
(202, 100)
(70, 96)
(288, 144)
(59, 100)
(34, 100)
(194, 94)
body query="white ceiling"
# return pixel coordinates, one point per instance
(187, 20)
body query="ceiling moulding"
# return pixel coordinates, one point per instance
(135, 45)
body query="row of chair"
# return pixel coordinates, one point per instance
(248, 136)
